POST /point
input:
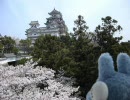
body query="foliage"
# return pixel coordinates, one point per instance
(106, 32)
(46, 49)
(81, 27)
(8, 44)
(1, 49)
(22, 61)
(29, 83)
(25, 45)
(106, 38)
(15, 50)
(85, 56)
(1, 46)
(125, 47)
(53, 52)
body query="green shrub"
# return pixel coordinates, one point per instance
(22, 61)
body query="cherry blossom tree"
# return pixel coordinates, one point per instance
(26, 82)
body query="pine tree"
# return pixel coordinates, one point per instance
(53, 52)
(85, 56)
(106, 32)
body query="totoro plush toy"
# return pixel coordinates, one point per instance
(111, 84)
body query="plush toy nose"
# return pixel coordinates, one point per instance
(99, 91)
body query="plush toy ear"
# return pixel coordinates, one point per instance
(105, 67)
(123, 63)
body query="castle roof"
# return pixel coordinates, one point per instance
(54, 12)
(34, 23)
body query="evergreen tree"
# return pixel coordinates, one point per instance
(125, 47)
(106, 32)
(1, 49)
(1, 46)
(25, 45)
(52, 52)
(81, 28)
(85, 55)
(8, 43)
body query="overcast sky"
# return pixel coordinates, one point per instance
(15, 15)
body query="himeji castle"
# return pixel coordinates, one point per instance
(55, 25)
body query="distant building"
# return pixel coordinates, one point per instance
(55, 25)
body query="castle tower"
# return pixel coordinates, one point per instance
(55, 25)
(56, 21)
(34, 24)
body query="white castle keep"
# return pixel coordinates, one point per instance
(55, 25)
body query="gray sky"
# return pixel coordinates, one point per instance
(15, 15)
